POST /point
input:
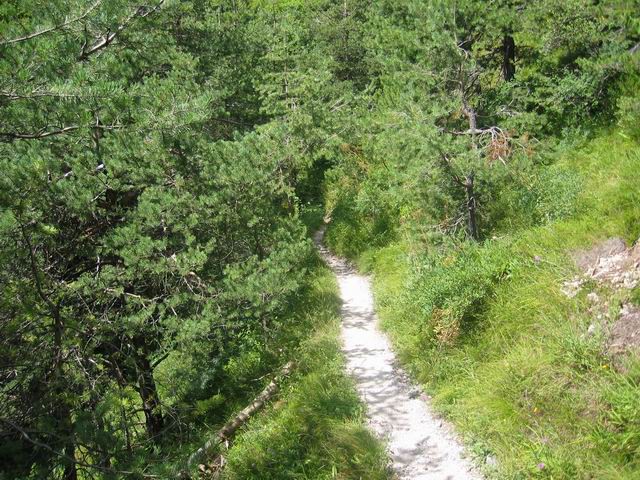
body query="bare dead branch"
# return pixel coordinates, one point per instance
(13, 95)
(37, 135)
(493, 131)
(228, 430)
(44, 133)
(106, 39)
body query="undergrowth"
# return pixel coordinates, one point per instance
(315, 426)
(507, 357)
(316, 430)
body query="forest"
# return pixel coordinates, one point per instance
(165, 164)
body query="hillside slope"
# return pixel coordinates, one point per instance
(525, 371)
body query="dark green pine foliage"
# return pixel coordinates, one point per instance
(130, 232)
(464, 96)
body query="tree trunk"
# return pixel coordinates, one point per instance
(508, 57)
(230, 428)
(149, 395)
(472, 116)
(472, 225)
(70, 470)
(471, 207)
(64, 428)
(102, 455)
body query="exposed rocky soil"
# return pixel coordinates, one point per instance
(613, 265)
(611, 262)
(624, 334)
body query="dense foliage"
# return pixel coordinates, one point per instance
(153, 165)
(158, 160)
(458, 123)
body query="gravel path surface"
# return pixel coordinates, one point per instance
(421, 445)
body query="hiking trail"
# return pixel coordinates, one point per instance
(421, 445)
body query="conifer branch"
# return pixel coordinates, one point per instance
(50, 449)
(54, 28)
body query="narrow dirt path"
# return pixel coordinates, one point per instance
(421, 445)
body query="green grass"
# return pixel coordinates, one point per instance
(518, 375)
(316, 430)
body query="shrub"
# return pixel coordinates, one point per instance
(451, 290)
(628, 115)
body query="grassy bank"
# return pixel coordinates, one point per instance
(485, 328)
(316, 430)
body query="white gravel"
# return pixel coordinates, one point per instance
(421, 445)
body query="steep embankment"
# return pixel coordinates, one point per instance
(421, 445)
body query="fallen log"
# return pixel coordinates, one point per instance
(229, 429)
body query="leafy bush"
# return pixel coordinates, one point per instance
(545, 194)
